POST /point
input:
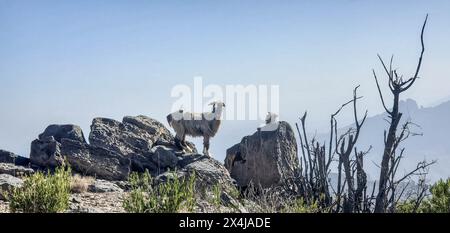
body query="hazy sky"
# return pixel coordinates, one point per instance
(71, 61)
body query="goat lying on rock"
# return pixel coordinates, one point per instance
(271, 122)
(203, 125)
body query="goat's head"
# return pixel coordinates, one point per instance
(217, 104)
(271, 117)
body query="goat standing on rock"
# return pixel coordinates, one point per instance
(203, 125)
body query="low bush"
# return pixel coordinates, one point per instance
(42, 193)
(147, 196)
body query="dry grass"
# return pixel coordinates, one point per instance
(80, 184)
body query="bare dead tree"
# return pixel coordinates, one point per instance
(351, 196)
(390, 161)
(315, 171)
(317, 160)
(346, 145)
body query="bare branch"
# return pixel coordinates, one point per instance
(420, 166)
(420, 58)
(379, 91)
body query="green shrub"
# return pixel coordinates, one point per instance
(172, 196)
(234, 193)
(408, 206)
(217, 191)
(42, 193)
(300, 206)
(439, 202)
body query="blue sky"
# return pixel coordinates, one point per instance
(70, 61)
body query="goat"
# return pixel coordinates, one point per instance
(271, 122)
(271, 118)
(203, 125)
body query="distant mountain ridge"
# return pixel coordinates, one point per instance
(431, 127)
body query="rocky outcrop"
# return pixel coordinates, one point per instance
(266, 158)
(46, 152)
(114, 150)
(209, 173)
(9, 157)
(59, 132)
(146, 142)
(88, 160)
(14, 170)
(133, 135)
(7, 183)
(95, 161)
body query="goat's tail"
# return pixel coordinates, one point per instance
(170, 119)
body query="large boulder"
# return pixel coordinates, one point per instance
(9, 157)
(207, 170)
(95, 161)
(267, 158)
(58, 132)
(132, 135)
(209, 173)
(7, 183)
(145, 141)
(83, 158)
(46, 152)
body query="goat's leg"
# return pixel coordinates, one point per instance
(178, 142)
(185, 145)
(206, 146)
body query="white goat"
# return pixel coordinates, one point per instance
(271, 118)
(203, 125)
(271, 122)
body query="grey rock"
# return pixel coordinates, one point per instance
(83, 158)
(46, 152)
(9, 157)
(151, 126)
(209, 172)
(95, 161)
(133, 135)
(123, 184)
(164, 157)
(58, 132)
(116, 148)
(14, 170)
(166, 176)
(146, 142)
(266, 158)
(103, 186)
(7, 183)
(140, 162)
(186, 159)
